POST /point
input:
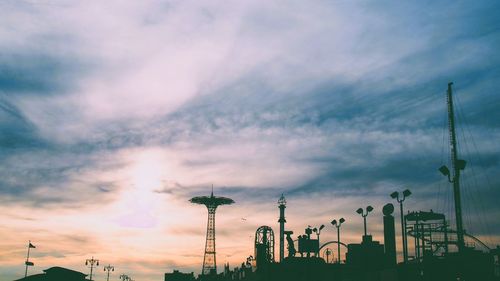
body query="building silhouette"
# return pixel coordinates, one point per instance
(179, 276)
(56, 274)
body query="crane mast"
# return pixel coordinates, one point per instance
(457, 166)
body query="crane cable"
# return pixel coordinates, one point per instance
(476, 201)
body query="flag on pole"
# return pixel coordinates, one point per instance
(32, 246)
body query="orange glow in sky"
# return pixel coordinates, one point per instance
(113, 114)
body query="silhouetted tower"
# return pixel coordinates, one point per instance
(457, 165)
(282, 206)
(212, 202)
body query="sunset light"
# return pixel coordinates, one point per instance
(198, 137)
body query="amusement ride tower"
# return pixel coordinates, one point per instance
(212, 202)
(282, 220)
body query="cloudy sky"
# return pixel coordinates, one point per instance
(114, 113)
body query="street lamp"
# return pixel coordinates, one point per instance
(109, 268)
(405, 194)
(360, 211)
(318, 232)
(337, 225)
(93, 263)
(328, 253)
(454, 178)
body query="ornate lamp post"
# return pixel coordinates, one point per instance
(109, 268)
(93, 263)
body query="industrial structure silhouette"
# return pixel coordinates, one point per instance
(438, 252)
(432, 257)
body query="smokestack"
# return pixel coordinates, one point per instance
(389, 234)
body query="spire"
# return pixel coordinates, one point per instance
(282, 200)
(212, 194)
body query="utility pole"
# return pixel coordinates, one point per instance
(93, 262)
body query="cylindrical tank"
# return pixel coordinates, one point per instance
(389, 234)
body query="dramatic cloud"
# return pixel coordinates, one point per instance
(113, 114)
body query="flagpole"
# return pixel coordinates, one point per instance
(27, 259)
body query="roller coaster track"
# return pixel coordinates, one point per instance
(440, 230)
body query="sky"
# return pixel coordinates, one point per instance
(113, 114)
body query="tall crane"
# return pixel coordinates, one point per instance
(457, 165)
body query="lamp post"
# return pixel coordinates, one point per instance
(93, 262)
(337, 225)
(360, 211)
(318, 232)
(404, 195)
(109, 268)
(328, 253)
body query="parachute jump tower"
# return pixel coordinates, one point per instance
(211, 202)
